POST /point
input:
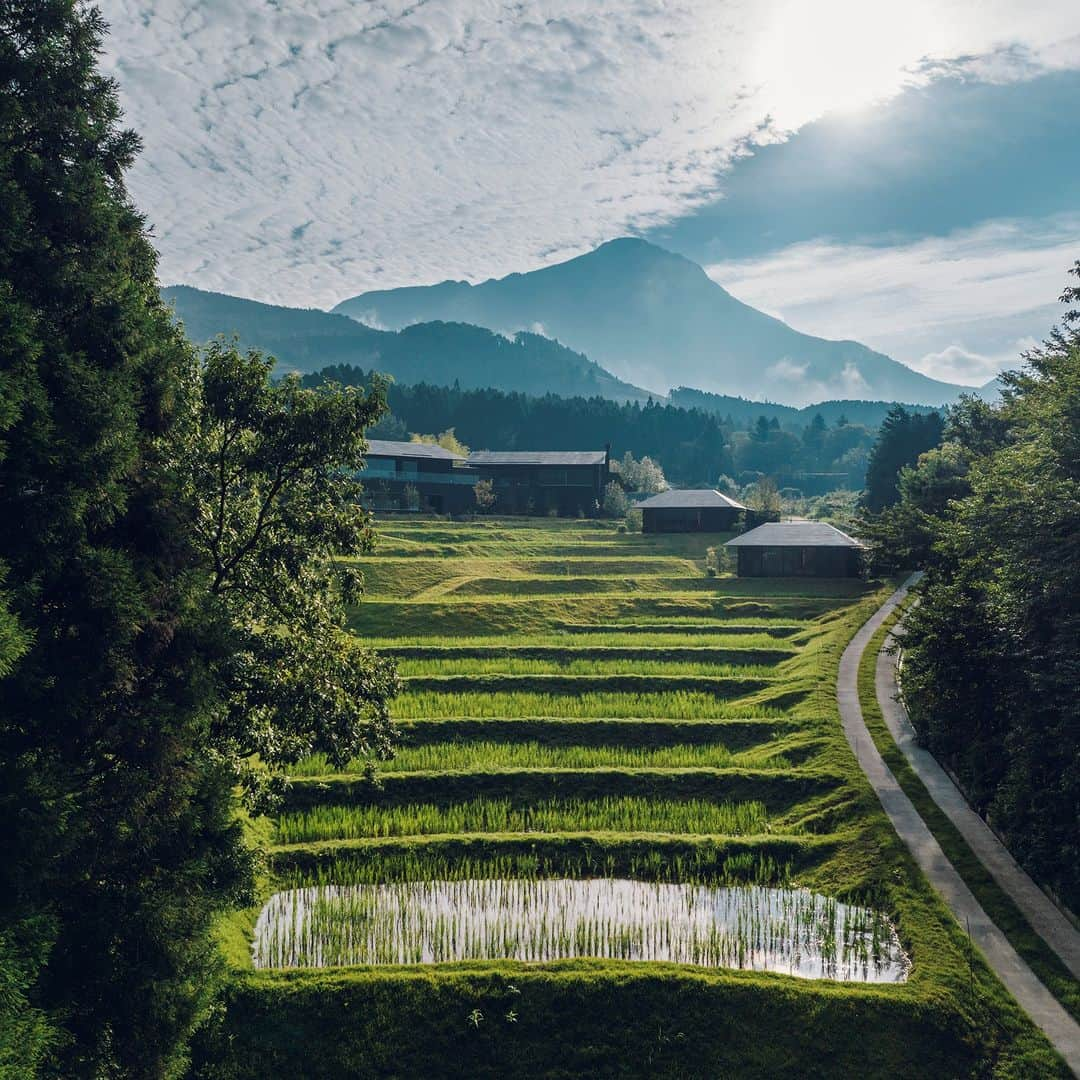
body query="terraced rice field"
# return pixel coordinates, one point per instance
(621, 818)
(576, 683)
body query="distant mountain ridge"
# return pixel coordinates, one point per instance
(657, 319)
(442, 353)
(744, 412)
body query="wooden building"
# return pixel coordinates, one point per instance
(566, 482)
(797, 549)
(417, 476)
(698, 510)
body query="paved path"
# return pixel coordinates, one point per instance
(1043, 1008)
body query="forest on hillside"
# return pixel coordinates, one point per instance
(694, 447)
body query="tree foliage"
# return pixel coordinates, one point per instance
(273, 470)
(903, 437)
(159, 520)
(485, 496)
(645, 476)
(615, 502)
(991, 665)
(446, 439)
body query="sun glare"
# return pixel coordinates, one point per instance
(838, 56)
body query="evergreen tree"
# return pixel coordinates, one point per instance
(903, 437)
(991, 666)
(122, 843)
(163, 619)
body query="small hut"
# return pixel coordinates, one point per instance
(797, 549)
(698, 510)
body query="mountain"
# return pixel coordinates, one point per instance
(441, 353)
(742, 412)
(657, 319)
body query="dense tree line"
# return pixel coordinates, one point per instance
(991, 664)
(168, 602)
(693, 446)
(903, 436)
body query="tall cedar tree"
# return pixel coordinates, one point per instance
(903, 437)
(168, 529)
(120, 844)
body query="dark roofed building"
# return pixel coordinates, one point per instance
(417, 476)
(567, 482)
(797, 549)
(698, 510)
(410, 451)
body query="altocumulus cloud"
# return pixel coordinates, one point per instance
(302, 152)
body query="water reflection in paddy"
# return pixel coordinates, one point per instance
(791, 931)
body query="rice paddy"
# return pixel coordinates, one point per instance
(621, 791)
(465, 756)
(790, 931)
(502, 816)
(671, 705)
(549, 719)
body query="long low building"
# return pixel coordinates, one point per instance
(422, 476)
(797, 549)
(566, 482)
(690, 510)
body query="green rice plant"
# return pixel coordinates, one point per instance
(663, 669)
(701, 860)
(494, 815)
(674, 704)
(787, 930)
(466, 756)
(713, 637)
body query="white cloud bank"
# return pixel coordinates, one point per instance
(989, 291)
(300, 152)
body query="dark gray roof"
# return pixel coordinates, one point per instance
(690, 499)
(794, 534)
(537, 457)
(389, 448)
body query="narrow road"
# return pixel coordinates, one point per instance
(1043, 1008)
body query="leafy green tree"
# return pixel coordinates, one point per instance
(120, 840)
(991, 667)
(645, 476)
(484, 494)
(764, 497)
(154, 633)
(903, 437)
(447, 440)
(615, 503)
(274, 471)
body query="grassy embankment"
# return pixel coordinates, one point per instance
(586, 703)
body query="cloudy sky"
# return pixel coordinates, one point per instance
(905, 175)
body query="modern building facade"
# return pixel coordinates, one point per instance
(566, 482)
(423, 477)
(698, 510)
(417, 476)
(797, 549)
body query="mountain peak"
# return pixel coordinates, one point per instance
(655, 318)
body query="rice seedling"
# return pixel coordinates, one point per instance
(493, 815)
(699, 861)
(484, 754)
(412, 668)
(423, 922)
(640, 638)
(673, 704)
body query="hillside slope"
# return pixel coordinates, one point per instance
(442, 353)
(657, 319)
